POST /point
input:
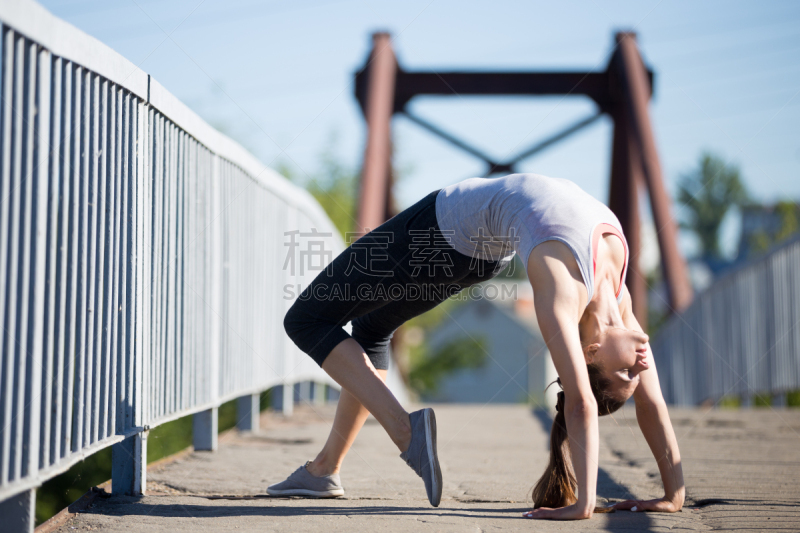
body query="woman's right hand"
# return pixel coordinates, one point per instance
(661, 505)
(570, 512)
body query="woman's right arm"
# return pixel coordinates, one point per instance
(557, 283)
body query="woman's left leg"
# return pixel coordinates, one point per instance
(351, 368)
(348, 421)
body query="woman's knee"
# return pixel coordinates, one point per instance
(296, 320)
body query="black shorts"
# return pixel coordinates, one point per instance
(399, 270)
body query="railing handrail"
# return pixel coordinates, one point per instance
(62, 39)
(158, 218)
(738, 337)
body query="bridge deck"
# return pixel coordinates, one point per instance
(747, 461)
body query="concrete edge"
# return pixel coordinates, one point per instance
(104, 490)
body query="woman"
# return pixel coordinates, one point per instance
(575, 256)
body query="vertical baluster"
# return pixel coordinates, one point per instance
(99, 219)
(141, 417)
(82, 156)
(190, 283)
(61, 129)
(117, 394)
(71, 336)
(126, 358)
(91, 176)
(169, 266)
(39, 124)
(7, 185)
(47, 166)
(181, 279)
(21, 240)
(157, 319)
(162, 253)
(107, 204)
(145, 243)
(150, 213)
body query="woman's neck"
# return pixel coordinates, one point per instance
(602, 312)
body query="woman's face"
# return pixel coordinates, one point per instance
(622, 355)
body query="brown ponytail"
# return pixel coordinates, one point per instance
(557, 486)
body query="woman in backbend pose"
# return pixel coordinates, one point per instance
(576, 258)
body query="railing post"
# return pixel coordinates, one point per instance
(304, 392)
(283, 399)
(779, 399)
(318, 393)
(18, 513)
(287, 405)
(129, 457)
(204, 430)
(332, 395)
(129, 465)
(248, 410)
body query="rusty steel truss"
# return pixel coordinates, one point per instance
(621, 91)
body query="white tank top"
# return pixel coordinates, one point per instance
(492, 219)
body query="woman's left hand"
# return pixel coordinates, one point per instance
(660, 505)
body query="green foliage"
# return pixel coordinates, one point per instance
(335, 184)
(789, 216)
(334, 187)
(433, 317)
(169, 438)
(730, 402)
(761, 401)
(793, 398)
(57, 493)
(657, 316)
(427, 372)
(708, 192)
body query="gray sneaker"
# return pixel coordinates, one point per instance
(421, 454)
(302, 483)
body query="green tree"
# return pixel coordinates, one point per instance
(333, 186)
(708, 192)
(788, 214)
(428, 371)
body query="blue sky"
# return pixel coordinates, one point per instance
(278, 77)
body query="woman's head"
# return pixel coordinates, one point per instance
(619, 355)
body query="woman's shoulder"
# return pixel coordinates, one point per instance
(553, 262)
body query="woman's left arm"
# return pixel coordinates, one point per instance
(653, 418)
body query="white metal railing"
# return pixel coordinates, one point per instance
(739, 338)
(142, 261)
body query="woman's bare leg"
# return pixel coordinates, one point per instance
(350, 367)
(349, 419)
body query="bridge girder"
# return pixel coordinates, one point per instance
(622, 92)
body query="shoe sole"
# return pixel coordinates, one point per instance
(306, 492)
(433, 457)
